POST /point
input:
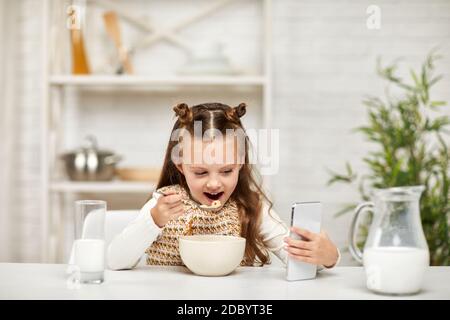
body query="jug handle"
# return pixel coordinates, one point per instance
(354, 250)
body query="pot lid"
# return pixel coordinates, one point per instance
(90, 146)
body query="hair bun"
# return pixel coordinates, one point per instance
(240, 110)
(183, 112)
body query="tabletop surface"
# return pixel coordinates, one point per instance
(49, 281)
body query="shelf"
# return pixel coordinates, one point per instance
(115, 186)
(61, 88)
(98, 80)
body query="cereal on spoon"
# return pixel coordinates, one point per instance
(214, 205)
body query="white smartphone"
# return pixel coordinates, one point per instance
(306, 215)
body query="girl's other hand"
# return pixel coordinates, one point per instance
(168, 207)
(316, 248)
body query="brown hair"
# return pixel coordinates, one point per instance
(247, 194)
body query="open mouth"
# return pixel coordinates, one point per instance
(213, 196)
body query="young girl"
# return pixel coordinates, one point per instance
(185, 187)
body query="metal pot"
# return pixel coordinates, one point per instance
(89, 163)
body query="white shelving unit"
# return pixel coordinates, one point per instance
(102, 187)
(63, 80)
(55, 190)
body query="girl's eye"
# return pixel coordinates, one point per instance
(228, 171)
(199, 173)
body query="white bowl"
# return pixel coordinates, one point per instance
(211, 255)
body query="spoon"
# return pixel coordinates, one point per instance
(190, 217)
(214, 205)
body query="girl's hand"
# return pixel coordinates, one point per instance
(317, 248)
(168, 207)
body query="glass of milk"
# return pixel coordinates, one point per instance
(89, 244)
(395, 255)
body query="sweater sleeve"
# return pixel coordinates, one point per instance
(274, 230)
(127, 248)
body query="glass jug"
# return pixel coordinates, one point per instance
(395, 255)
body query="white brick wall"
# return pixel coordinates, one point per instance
(324, 62)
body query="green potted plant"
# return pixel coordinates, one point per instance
(411, 141)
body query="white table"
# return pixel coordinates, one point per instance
(48, 281)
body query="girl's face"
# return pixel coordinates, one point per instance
(209, 180)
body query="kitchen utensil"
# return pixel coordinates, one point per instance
(170, 32)
(190, 217)
(112, 27)
(126, 14)
(396, 253)
(162, 33)
(215, 205)
(89, 163)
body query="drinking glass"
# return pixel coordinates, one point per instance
(89, 245)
